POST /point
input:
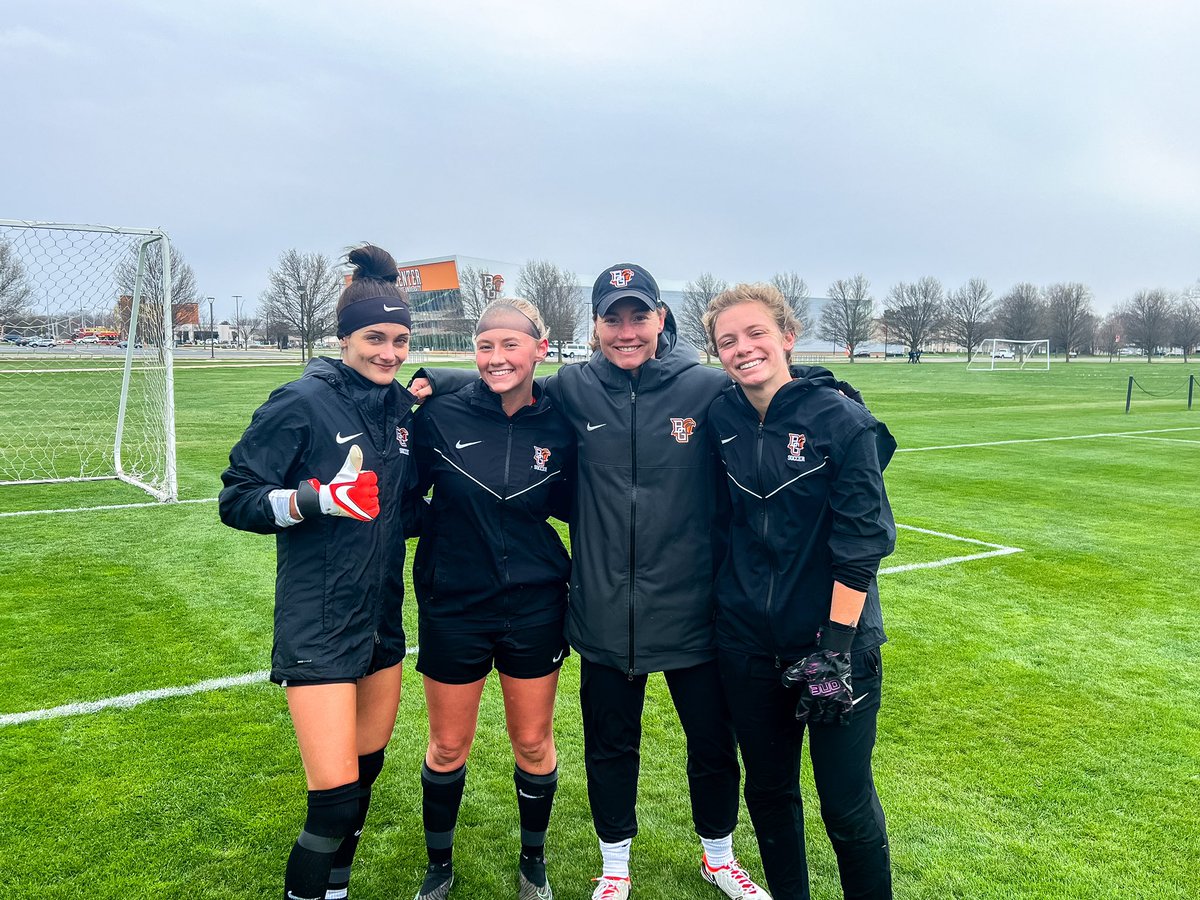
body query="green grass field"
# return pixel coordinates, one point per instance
(1040, 735)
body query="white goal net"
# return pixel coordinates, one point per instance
(1002, 354)
(86, 340)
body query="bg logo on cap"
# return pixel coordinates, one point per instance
(620, 277)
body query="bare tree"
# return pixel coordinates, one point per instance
(183, 282)
(14, 288)
(558, 297)
(847, 318)
(1147, 319)
(795, 292)
(302, 292)
(1069, 316)
(1020, 314)
(1108, 335)
(472, 294)
(696, 297)
(1185, 324)
(968, 314)
(915, 311)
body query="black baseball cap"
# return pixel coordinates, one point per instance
(624, 281)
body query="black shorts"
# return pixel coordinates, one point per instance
(457, 657)
(384, 655)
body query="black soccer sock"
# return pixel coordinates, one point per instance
(331, 816)
(369, 767)
(441, 796)
(535, 797)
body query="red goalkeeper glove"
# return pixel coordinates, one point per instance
(351, 493)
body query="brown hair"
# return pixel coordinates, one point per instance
(374, 275)
(766, 294)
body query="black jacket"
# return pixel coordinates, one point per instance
(809, 508)
(339, 582)
(487, 557)
(645, 516)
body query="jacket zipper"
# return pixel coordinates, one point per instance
(503, 542)
(767, 546)
(632, 522)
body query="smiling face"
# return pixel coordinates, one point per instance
(752, 348)
(506, 359)
(377, 351)
(628, 333)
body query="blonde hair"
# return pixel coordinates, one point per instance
(766, 294)
(527, 309)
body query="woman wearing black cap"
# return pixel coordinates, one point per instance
(325, 466)
(490, 575)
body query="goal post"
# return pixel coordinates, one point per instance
(1005, 354)
(86, 356)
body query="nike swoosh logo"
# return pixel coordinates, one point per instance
(387, 308)
(727, 440)
(349, 437)
(854, 702)
(591, 427)
(459, 445)
(557, 658)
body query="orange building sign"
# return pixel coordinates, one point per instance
(438, 276)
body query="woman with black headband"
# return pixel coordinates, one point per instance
(490, 575)
(325, 466)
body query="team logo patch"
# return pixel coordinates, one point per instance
(620, 277)
(681, 429)
(402, 439)
(541, 456)
(796, 447)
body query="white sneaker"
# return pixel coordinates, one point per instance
(609, 887)
(733, 881)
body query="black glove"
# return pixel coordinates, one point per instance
(826, 692)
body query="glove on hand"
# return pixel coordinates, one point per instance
(352, 493)
(827, 695)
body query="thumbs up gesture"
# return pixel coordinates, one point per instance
(351, 493)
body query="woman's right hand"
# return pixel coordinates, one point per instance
(421, 389)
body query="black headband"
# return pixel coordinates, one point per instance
(372, 311)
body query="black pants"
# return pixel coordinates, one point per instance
(612, 735)
(771, 741)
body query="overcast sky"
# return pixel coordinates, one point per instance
(1019, 140)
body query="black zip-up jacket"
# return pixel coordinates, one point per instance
(487, 557)
(339, 582)
(645, 526)
(809, 508)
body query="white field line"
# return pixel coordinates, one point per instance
(137, 698)
(1072, 437)
(127, 701)
(79, 509)
(121, 368)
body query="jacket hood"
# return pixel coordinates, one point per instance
(671, 357)
(350, 383)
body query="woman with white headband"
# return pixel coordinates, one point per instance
(325, 466)
(490, 573)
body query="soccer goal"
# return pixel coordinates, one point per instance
(86, 351)
(1001, 354)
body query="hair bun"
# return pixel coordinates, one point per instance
(370, 261)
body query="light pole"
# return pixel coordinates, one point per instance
(212, 348)
(237, 319)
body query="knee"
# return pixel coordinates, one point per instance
(446, 753)
(332, 816)
(533, 751)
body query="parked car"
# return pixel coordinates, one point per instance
(42, 342)
(137, 345)
(12, 338)
(1002, 354)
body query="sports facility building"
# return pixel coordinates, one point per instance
(436, 289)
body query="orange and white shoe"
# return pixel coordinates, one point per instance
(610, 887)
(733, 881)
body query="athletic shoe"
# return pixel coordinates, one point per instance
(439, 878)
(733, 881)
(609, 887)
(531, 880)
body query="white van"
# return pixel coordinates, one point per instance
(576, 351)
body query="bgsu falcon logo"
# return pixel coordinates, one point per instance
(402, 439)
(796, 447)
(620, 277)
(541, 456)
(681, 429)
